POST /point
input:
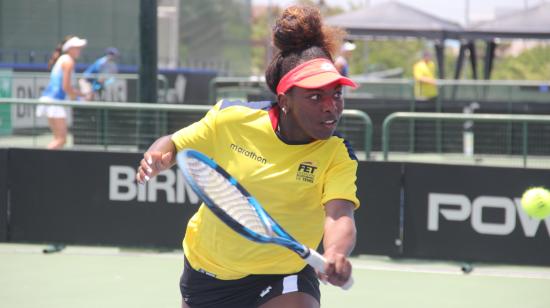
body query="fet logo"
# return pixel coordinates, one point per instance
(307, 167)
(463, 208)
(171, 184)
(306, 172)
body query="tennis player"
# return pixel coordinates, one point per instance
(285, 154)
(98, 75)
(60, 87)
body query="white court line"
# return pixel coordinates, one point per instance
(483, 272)
(361, 264)
(88, 251)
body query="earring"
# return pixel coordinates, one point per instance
(284, 110)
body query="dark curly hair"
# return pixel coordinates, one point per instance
(299, 35)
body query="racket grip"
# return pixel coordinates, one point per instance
(317, 261)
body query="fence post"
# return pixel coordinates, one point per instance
(524, 144)
(386, 134)
(438, 129)
(368, 128)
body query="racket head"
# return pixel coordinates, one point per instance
(227, 198)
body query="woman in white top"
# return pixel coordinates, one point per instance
(62, 64)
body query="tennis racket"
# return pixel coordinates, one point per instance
(231, 203)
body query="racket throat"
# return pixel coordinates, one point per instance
(304, 252)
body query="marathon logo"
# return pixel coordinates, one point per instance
(247, 153)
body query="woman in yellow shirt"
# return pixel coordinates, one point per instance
(284, 153)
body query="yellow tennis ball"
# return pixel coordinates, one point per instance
(536, 202)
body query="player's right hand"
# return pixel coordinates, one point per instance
(337, 269)
(153, 163)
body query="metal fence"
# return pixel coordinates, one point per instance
(130, 126)
(466, 138)
(119, 86)
(392, 89)
(512, 91)
(495, 143)
(435, 140)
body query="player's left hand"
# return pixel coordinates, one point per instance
(337, 269)
(153, 163)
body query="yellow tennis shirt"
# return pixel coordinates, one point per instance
(291, 182)
(423, 89)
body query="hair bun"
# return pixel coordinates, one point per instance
(299, 27)
(299, 35)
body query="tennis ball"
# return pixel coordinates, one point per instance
(536, 202)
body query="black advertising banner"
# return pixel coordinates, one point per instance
(473, 214)
(377, 220)
(4, 195)
(92, 198)
(464, 213)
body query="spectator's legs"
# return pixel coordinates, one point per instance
(59, 130)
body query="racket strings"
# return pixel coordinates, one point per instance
(226, 196)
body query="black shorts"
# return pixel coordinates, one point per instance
(200, 290)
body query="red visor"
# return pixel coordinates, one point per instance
(313, 74)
